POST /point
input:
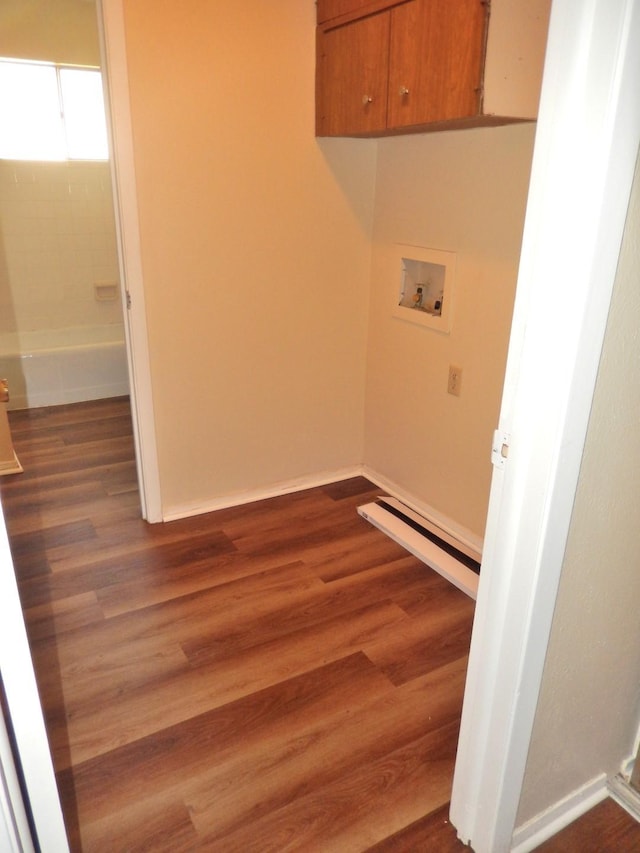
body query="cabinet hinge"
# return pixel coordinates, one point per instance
(128, 298)
(500, 448)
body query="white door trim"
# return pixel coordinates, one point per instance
(27, 723)
(15, 835)
(584, 157)
(112, 34)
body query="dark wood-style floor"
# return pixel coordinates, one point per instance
(277, 676)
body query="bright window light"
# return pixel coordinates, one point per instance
(50, 112)
(83, 110)
(30, 128)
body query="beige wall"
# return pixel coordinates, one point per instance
(587, 716)
(256, 248)
(50, 30)
(463, 192)
(255, 241)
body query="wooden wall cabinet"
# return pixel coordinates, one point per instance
(400, 66)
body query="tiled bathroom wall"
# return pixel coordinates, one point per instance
(57, 246)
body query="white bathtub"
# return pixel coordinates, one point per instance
(48, 368)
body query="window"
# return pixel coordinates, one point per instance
(51, 112)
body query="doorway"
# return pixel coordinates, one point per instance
(62, 336)
(94, 292)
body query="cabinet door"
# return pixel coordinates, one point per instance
(435, 61)
(351, 77)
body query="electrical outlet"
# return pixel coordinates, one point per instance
(455, 380)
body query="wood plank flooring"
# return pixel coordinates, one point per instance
(607, 828)
(277, 676)
(274, 677)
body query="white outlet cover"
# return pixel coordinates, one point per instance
(425, 292)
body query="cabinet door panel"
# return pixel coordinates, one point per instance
(328, 9)
(352, 73)
(435, 61)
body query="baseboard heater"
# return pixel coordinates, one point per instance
(454, 560)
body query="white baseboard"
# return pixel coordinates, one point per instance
(11, 466)
(462, 534)
(622, 792)
(457, 531)
(420, 545)
(545, 825)
(283, 488)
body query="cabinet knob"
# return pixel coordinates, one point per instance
(366, 99)
(403, 91)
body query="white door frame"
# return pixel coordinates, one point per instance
(15, 834)
(585, 152)
(27, 724)
(114, 61)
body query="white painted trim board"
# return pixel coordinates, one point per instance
(110, 17)
(544, 826)
(584, 158)
(27, 721)
(428, 552)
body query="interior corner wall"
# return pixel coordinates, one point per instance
(588, 711)
(463, 192)
(255, 244)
